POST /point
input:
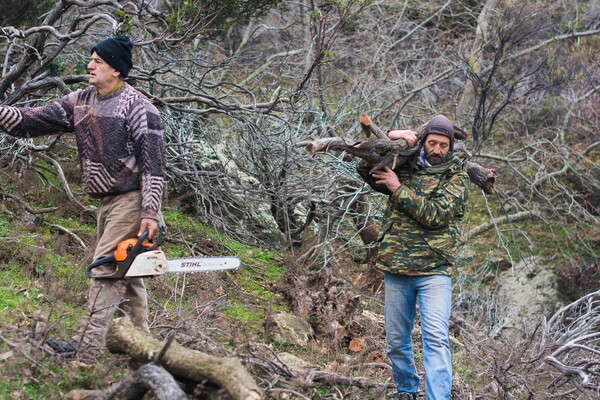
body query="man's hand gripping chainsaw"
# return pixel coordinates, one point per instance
(136, 257)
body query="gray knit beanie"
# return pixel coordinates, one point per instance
(117, 53)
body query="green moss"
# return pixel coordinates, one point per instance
(177, 218)
(249, 319)
(20, 298)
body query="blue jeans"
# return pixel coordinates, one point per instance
(434, 295)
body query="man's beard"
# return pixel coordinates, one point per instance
(434, 159)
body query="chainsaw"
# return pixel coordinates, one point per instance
(136, 257)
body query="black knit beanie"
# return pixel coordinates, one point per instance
(117, 53)
(441, 126)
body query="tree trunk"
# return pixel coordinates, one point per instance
(228, 373)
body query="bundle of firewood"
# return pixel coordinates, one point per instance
(378, 151)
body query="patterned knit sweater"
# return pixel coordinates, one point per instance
(118, 136)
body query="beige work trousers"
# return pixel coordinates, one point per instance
(118, 218)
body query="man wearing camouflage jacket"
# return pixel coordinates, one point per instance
(418, 239)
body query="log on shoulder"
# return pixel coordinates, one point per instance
(193, 365)
(377, 153)
(369, 127)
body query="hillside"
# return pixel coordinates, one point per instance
(238, 86)
(47, 243)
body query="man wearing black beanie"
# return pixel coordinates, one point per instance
(121, 150)
(117, 53)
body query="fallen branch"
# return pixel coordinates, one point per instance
(73, 235)
(60, 175)
(337, 379)
(26, 206)
(584, 373)
(191, 365)
(369, 127)
(505, 219)
(148, 378)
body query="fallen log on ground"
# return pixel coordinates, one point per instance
(183, 363)
(148, 378)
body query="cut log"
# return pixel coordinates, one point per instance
(482, 176)
(392, 153)
(357, 345)
(192, 365)
(369, 127)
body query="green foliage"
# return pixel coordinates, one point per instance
(126, 21)
(213, 17)
(52, 379)
(24, 12)
(4, 226)
(241, 312)
(175, 217)
(462, 363)
(56, 67)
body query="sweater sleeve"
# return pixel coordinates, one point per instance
(148, 139)
(439, 208)
(50, 119)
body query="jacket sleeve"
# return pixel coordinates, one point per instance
(437, 209)
(50, 119)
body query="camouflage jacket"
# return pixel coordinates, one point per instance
(421, 226)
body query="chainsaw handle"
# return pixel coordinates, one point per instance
(100, 261)
(158, 240)
(123, 267)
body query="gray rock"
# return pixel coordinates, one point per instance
(292, 329)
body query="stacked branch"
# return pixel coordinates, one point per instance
(380, 151)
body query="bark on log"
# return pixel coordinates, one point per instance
(228, 373)
(380, 152)
(482, 176)
(148, 378)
